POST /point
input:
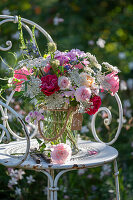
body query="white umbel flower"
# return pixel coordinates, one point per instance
(33, 87)
(110, 67)
(93, 61)
(36, 62)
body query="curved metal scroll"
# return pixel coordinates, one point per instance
(8, 130)
(14, 19)
(23, 158)
(108, 120)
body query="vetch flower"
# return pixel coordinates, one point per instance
(83, 93)
(61, 153)
(62, 57)
(49, 84)
(74, 53)
(27, 119)
(34, 116)
(64, 82)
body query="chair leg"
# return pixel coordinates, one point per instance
(116, 180)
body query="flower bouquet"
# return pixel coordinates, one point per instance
(63, 86)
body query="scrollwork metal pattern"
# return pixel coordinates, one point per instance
(108, 120)
(24, 21)
(3, 127)
(14, 19)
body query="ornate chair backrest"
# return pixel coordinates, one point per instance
(6, 129)
(107, 121)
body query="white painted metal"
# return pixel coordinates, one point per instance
(105, 154)
(107, 121)
(14, 19)
(27, 144)
(116, 180)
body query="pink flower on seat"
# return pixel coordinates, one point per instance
(61, 153)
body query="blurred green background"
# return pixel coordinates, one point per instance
(105, 29)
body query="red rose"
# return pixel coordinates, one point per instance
(96, 100)
(49, 84)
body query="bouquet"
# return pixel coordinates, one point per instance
(62, 85)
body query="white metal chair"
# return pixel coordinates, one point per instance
(105, 153)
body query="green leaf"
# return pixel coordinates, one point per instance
(26, 83)
(49, 155)
(61, 68)
(52, 143)
(38, 140)
(18, 93)
(42, 147)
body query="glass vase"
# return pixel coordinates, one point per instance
(56, 127)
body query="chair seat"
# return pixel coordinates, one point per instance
(91, 154)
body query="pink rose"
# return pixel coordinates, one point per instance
(61, 153)
(21, 75)
(83, 93)
(63, 82)
(49, 84)
(113, 81)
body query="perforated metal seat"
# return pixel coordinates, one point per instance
(82, 159)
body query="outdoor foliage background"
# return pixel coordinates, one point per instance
(104, 28)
